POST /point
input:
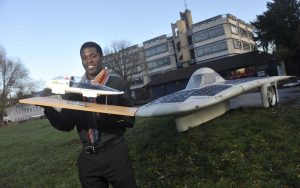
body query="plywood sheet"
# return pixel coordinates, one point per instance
(84, 106)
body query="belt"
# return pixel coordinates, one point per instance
(101, 147)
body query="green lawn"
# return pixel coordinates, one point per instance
(243, 148)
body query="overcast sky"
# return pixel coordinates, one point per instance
(46, 35)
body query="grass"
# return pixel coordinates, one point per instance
(243, 148)
(33, 154)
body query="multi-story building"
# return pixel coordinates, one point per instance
(214, 38)
(217, 37)
(159, 55)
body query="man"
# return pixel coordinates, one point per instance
(104, 158)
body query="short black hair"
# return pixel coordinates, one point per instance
(92, 44)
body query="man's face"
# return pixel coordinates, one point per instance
(91, 61)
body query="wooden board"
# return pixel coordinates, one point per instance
(84, 106)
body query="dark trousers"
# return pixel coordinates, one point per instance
(112, 165)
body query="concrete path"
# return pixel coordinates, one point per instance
(287, 96)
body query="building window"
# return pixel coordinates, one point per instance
(234, 29)
(190, 40)
(253, 47)
(137, 81)
(192, 52)
(246, 46)
(178, 46)
(154, 76)
(156, 50)
(208, 34)
(135, 69)
(158, 63)
(237, 44)
(244, 33)
(139, 68)
(250, 34)
(133, 57)
(211, 49)
(201, 36)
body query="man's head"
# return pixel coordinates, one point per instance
(91, 56)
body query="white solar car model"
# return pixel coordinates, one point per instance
(206, 97)
(72, 84)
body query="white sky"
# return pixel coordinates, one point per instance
(46, 35)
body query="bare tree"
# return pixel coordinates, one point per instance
(14, 81)
(124, 60)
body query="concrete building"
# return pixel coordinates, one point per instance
(189, 44)
(217, 37)
(159, 55)
(130, 62)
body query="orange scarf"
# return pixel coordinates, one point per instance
(102, 77)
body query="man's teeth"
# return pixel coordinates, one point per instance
(91, 67)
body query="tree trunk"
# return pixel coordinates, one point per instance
(1, 120)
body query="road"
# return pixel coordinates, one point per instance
(287, 96)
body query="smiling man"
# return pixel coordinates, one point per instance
(104, 158)
(91, 56)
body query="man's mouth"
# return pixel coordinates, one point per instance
(90, 67)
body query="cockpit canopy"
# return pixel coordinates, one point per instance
(203, 77)
(78, 82)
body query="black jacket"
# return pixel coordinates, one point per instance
(109, 125)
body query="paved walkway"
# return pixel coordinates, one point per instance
(287, 96)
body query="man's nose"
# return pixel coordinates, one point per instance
(88, 60)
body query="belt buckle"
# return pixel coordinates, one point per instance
(90, 149)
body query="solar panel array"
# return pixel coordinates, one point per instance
(210, 90)
(182, 95)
